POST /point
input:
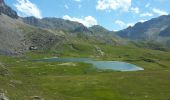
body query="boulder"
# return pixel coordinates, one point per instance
(3, 97)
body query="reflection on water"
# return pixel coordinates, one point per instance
(104, 65)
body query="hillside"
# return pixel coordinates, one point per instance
(56, 59)
(17, 37)
(57, 24)
(5, 9)
(71, 27)
(24, 34)
(149, 30)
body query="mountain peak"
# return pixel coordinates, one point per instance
(1, 1)
(149, 30)
(7, 10)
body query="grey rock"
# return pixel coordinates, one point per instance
(37, 98)
(17, 37)
(3, 97)
(7, 10)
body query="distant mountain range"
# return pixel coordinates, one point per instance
(71, 27)
(152, 30)
(19, 35)
(57, 24)
(149, 30)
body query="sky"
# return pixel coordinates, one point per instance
(111, 14)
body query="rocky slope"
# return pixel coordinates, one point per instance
(17, 37)
(149, 30)
(99, 30)
(7, 10)
(66, 26)
(10, 35)
(96, 33)
(57, 24)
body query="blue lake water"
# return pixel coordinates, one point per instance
(103, 65)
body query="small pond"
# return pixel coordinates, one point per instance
(103, 65)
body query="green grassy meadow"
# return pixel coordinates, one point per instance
(22, 79)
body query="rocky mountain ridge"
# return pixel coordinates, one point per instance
(19, 35)
(149, 30)
(7, 10)
(56, 24)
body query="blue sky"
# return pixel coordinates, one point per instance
(111, 14)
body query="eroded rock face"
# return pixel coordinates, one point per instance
(7, 10)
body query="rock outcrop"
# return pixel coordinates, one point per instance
(7, 10)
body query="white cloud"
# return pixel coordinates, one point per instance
(123, 25)
(159, 12)
(122, 5)
(77, 0)
(87, 21)
(146, 14)
(135, 10)
(120, 23)
(27, 8)
(130, 24)
(66, 6)
(142, 21)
